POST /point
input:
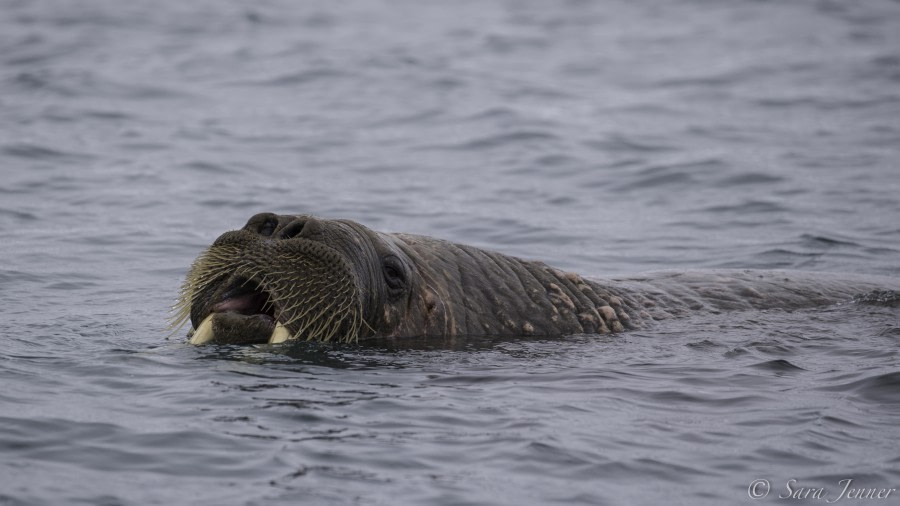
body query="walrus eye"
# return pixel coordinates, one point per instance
(394, 274)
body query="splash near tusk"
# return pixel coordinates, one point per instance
(280, 334)
(204, 333)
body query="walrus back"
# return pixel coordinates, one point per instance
(669, 293)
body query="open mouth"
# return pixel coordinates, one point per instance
(244, 313)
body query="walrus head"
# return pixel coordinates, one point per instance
(301, 277)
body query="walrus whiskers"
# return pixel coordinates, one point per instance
(207, 268)
(309, 292)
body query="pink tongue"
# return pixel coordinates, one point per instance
(246, 304)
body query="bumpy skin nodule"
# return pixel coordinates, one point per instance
(336, 279)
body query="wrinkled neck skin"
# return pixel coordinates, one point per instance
(461, 290)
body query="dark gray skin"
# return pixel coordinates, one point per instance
(400, 285)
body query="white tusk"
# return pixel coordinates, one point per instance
(204, 333)
(280, 334)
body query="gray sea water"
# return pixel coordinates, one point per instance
(608, 137)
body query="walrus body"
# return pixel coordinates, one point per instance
(301, 277)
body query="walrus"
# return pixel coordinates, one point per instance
(284, 277)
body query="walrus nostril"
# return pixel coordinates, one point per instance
(293, 229)
(305, 227)
(267, 227)
(263, 224)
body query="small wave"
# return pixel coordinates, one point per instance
(109, 115)
(832, 160)
(233, 204)
(821, 241)
(879, 389)
(677, 175)
(406, 118)
(209, 167)
(884, 388)
(778, 366)
(705, 344)
(722, 79)
(781, 258)
(495, 113)
(506, 44)
(823, 104)
(749, 178)
(37, 152)
(524, 137)
(745, 208)
(629, 144)
(785, 457)
(886, 67)
(7, 277)
(293, 78)
(16, 214)
(88, 83)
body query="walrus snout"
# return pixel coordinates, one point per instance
(278, 278)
